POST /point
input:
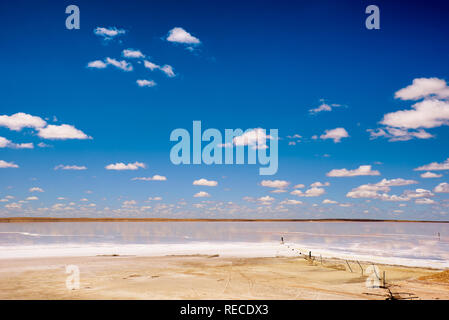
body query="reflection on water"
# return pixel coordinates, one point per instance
(404, 240)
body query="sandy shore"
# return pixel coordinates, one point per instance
(211, 277)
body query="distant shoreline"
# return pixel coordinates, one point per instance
(53, 219)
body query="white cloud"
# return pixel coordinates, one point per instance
(205, 182)
(319, 184)
(424, 114)
(321, 107)
(379, 190)
(429, 174)
(299, 186)
(97, 64)
(201, 194)
(146, 83)
(424, 201)
(181, 36)
(36, 189)
(150, 65)
(20, 120)
(335, 134)
(328, 201)
(13, 205)
(442, 188)
(399, 134)
(434, 166)
(312, 192)
(130, 53)
(395, 182)
(431, 112)
(32, 198)
(70, 167)
(324, 107)
(4, 164)
(129, 203)
(108, 33)
(156, 177)
(168, 70)
(291, 202)
(123, 65)
(278, 191)
(360, 171)
(265, 199)
(121, 166)
(424, 87)
(418, 193)
(255, 137)
(5, 143)
(278, 184)
(62, 132)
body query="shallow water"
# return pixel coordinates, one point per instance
(414, 244)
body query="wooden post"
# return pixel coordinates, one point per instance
(348, 265)
(383, 280)
(321, 257)
(360, 266)
(310, 254)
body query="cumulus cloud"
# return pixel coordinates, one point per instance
(299, 186)
(156, 177)
(97, 64)
(399, 134)
(122, 166)
(320, 184)
(380, 190)
(335, 134)
(4, 164)
(122, 65)
(32, 198)
(256, 138)
(434, 166)
(20, 120)
(277, 184)
(201, 194)
(130, 53)
(424, 114)
(70, 167)
(360, 171)
(424, 87)
(205, 182)
(168, 70)
(5, 143)
(324, 107)
(150, 65)
(312, 192)
(429, 174)
(61, 132)
(146, 83)
(108, 33)
(424, 201)
(291, 202)
(431, 112)
(266, 199)
(328, 201)
(442, 188)
(180, 35)
(36, 189)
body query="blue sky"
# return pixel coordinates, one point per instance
(261, 64)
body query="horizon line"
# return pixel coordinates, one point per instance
(110, 219)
